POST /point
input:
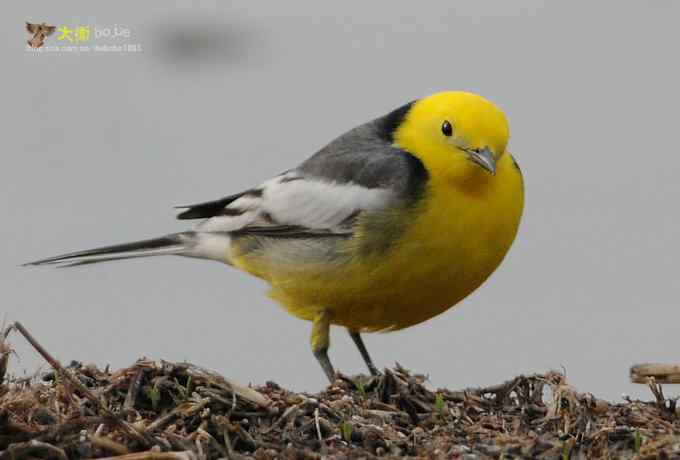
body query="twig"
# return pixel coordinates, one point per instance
(71, 426)
(667, 406)
(384, 414)
(109, 444)
(657, 391)
(102, 409)
(291, 412)
(318, 427)
(662, 373)
(5, 351)
(131, 396)
(187, 407)
(220, 381)
(227, 443)
(155, 455)
(22, 449)
(246, 437)
(199, 446)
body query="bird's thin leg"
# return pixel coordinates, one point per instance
(364, 352)
(321, 341)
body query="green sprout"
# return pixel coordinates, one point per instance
(638, 442)
(566, 452)
(154, 394)
(347, 432)
(361, 388)
(439, 403)
(184, 391)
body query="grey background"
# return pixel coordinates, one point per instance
(97, 148)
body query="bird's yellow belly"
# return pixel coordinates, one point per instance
(443, 255)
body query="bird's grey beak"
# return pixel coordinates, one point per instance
(484, 158)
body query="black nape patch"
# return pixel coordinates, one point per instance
(390, 122)
(417, 178)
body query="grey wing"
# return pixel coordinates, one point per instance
(359, 172)
(365, 156)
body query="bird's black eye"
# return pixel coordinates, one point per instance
(447, 129)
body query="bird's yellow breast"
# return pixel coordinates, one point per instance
(451, 242)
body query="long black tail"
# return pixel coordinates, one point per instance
(185, 243)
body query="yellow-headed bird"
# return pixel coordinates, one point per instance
(390, 224)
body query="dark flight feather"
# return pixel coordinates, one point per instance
(289, 231)
(209, 208)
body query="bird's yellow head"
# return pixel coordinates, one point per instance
(458, 136)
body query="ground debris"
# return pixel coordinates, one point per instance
(162, 410)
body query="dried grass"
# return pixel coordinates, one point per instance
(161, 410)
